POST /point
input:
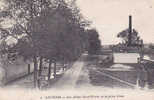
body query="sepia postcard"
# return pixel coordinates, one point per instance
(76, 50)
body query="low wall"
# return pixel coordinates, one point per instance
(13, 71)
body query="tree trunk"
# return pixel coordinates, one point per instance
(54, 69)
(40, 65)
(49, 73)
(63, 64)
(35, 72)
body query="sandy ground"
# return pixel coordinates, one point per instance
(71, 76)
(78, 78)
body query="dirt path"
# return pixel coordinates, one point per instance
(70, 77)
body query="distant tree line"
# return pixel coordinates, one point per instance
(46, 30)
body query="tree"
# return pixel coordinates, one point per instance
(24, 12)
(135, 39)
(45, 29)
(94, 42)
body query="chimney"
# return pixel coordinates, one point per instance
(130, 24)
(130, 30)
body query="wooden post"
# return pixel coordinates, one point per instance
(49, 73)
(40, 66)
(28, 68)
(141, 50)
(35, 72)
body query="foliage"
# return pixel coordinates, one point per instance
(45, 29)
(42, 23)
(135, 39)
(94, 42)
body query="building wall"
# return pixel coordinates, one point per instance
(125, 57)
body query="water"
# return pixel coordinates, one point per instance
(122, 73)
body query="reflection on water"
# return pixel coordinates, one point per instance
(121, 67)
(118, 75)
(146, 57)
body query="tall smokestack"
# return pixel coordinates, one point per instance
(130, 30)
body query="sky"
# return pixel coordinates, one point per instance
(110, 17)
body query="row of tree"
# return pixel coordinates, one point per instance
(46, 30)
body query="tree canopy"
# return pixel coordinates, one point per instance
(135, 39)
(44, 29)
(94, 41)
